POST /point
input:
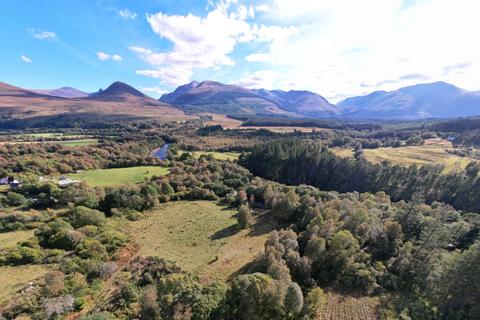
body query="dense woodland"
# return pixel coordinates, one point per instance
(346, 225)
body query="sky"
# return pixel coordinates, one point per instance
(336, 48)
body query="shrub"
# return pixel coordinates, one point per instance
(92, 249)
(245, 218)
(16, 199)
(54, 283)
(82, 216)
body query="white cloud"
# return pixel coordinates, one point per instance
(127, 14)
(262, 8)
(154, 90)
(43, 35)
(25, 59)
(103, 56)
(264, 79)
(340, 45)
(203, 42)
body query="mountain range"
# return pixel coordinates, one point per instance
(216, 97)
(121, 101)
(431, 100)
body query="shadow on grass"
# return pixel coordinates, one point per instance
(226, 232)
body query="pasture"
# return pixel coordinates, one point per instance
(118, 176)
(200, 236)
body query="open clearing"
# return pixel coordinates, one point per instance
(421, 155)
(200, 236)
(13, 279)
(10, 239)
(118, 176)
(344, 307)
(232, 156)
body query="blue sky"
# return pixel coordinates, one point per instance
(336, 48)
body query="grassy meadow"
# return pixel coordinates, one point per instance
(217, 155)
(10, 239)
(200, 236)
(118, 176)
(420, 155)
(78, 143)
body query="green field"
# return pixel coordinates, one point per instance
(77, 143)
(420, 155)
(216, 154)
(118, 176)
(10, 239)
(200, 236)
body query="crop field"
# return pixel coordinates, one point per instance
(200, 236)
(118, 176)
(216, 154)
(344, 307)
(421, 155)
(13, 279)
(10, 239)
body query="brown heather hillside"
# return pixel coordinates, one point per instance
(117, 102)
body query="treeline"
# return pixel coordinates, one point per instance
(320, 123)
(457, 125)
(296, 161)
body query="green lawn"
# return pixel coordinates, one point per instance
(216, 154)
(118, 176)
(200, 236)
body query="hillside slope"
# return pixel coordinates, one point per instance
(20, 107)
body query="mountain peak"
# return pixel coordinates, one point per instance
(118, 89)
(231, 99)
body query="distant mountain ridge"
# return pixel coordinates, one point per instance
(430, 100)
(216, 97)
(64, 92)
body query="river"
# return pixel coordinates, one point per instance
(161, 153)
